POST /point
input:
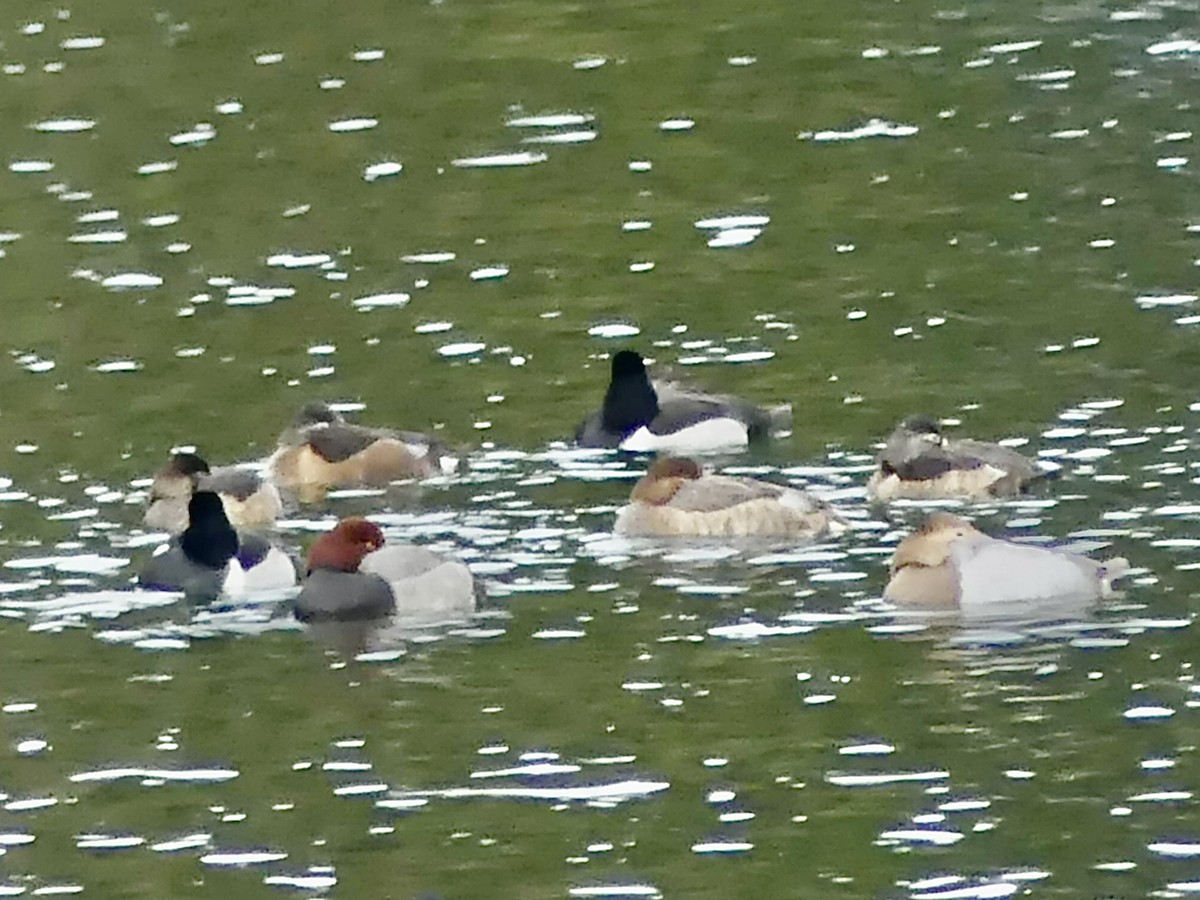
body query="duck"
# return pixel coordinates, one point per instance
(677, 498)
(947, 563)
(208, 558)
(354, 576)
(639, 416)
(918, 462)
(250, 500)
(320, 450)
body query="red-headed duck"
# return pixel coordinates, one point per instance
(947, 563)
(920, 463)
(353, 575)
(638, 416)
(676, 497)
(250, 500)
(320, 450)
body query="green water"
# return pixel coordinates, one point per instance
(1018, 247)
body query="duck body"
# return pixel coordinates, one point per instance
(250, 500)
(320, 450)
(640, 417)
(676, 498)
(353, 576)
(947, 563)
(920, 463)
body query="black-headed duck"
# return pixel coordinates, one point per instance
(638, 416)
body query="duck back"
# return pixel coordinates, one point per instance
(428, 589)
(992, 571)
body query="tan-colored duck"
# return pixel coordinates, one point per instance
(676, 497)
(948, 563)
(320, 450)
(250, 500)
(920, 463)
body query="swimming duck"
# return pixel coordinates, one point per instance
(196, 561)
(208, 559)
(250, 500)
(353, 576)
(920, 463)
(676, 497)
(321, 450)
(638, 416)
(947, 563)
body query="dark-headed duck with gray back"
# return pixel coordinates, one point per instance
(638, 416)
(196, 561)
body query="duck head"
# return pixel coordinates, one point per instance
(178, 478)
(315, 412)
(664, 478)
(187, 465)
(630, 401)
(209, 540)
(344, 547)
(925, 428)
(930, 544)
(913, 437)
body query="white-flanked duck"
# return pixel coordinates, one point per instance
(947, 563)
(353, 576)
(208, 559)
(920, 463)
(677, 498)
(638, 416)
(250, 500)
(320, 450)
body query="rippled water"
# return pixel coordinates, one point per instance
(447, 215)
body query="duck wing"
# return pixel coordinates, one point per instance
(931, 464)
(397, 562)
(994, 571)
(232, 480)
(339, 441)
(1019, 468)
(678, 409)
(715, 492)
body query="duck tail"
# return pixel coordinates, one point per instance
(1110, 571)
